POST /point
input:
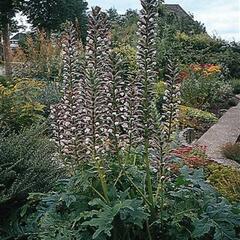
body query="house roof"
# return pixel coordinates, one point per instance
(18, 36)
(178, 10)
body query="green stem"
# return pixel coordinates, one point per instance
(149, 180)
(138, 190)
(99, 194)
(101, 175)
(148, 231)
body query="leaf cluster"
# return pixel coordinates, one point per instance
(19, 107)
(26, 164)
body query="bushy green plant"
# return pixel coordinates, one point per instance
(232, 151)
(27, 164)
(235, 85)
(226, 180)
(128, 54)
(77, 210)
(19, 107)
(195, 118)
(204, 91)
(49, 95)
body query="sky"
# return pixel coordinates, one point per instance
(221, 17)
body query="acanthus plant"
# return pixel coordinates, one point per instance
(67, 116)
(171, 103)
(105, 110)
(104, 115)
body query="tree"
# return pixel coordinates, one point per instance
(113, 15)
(48, 15)
(8, 9)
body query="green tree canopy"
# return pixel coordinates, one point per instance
(48, 15)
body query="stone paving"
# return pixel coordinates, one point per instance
(227, 130)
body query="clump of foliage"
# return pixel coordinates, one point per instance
(128, 54)
(203, 87)
(226, 180)
(26, 165)
(196, 119)
(19, 107)
(232, 151)
(124, 26)
(235, 85)
(50, 95)
(191, 208)
(50, 15)
(39, 57)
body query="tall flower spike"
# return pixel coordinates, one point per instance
(131, 108)
(95, 87)
(69, 111)
(118, 107)
(171, 103)
(147, 75)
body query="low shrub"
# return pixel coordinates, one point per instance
(195, 118)
(236, 85)
(205, 90)
(3, 80)
(49, 95)
(19, 107)
(27, 164)
(232, 151)
(226, 180)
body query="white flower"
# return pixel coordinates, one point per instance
(90, 52)
(87, 130)
(67, 124)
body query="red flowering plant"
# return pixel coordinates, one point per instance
(192, 156)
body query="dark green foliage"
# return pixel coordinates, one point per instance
(8, 9)
(124, 26)
(27, 165)
(200, 211)
(49, 15)
(192, 208)
(205, 92)
(236, 85)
